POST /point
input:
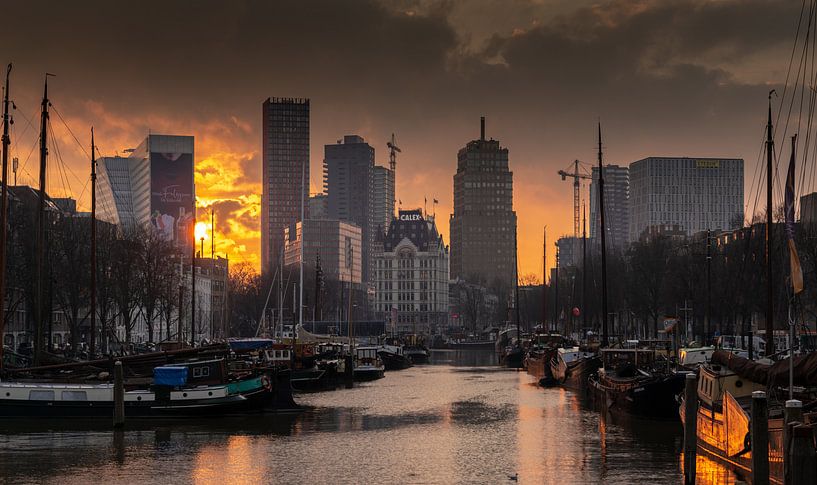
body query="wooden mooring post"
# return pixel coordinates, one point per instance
(802, 456)
(760, 438)
(690, 428)
(793, 413)
(118, 395)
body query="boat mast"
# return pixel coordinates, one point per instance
(38, 307)
(604, 335)
(544, 276)
(300, 267)
(193, 276)
(584, 266)
(769, 292)
(93, 246)
(516, 285)
(3, 215)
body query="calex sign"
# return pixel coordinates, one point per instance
(411, 216)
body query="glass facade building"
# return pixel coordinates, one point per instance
(285, 149)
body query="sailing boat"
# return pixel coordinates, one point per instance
(629, 381)
(572, 367)
(725, 385)
(513, 355)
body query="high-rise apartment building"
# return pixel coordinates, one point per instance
(113, 186)
(348, 170)
(337, 243)
(616, 206)
(285, 147)
(696, 194)
(483, 224)
(383, 198)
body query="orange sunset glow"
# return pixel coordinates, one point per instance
(539, 101)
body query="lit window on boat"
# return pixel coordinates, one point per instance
(74, 396)
(41, 395)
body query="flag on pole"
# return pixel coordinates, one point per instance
(794, 259)
(436, 201)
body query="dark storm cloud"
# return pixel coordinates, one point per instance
(665, 76)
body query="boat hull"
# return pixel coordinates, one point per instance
(369, 373)
(574, 375)
(538, 365)
(393, 361)
(649, 397)
(274, 395)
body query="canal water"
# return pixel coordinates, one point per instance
(460, 419)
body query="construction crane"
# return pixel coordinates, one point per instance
(576, 195)
(393, 150)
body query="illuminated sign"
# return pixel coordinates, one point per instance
(707, 164)
(411, 216)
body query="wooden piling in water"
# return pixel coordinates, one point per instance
(803, 467)
(118, 395)
(793, 413)
(690, 428)
(760, 438)
(349, 371)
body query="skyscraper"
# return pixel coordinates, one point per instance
(152, 187)
(696, 194)
(383, 198)
(113, 188)
(348, 170)
(483, 224)
(285, 141)
(616, 205)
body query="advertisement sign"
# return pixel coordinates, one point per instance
(171, 196)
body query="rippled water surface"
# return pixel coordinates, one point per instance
(459, 420)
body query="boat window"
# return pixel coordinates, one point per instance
(738, 383)
(205, 371)
(196, 371)
(41, 395)
(74, 396)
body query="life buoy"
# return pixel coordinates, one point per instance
(266, 382)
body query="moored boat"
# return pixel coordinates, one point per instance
(367, 365)
(572, 367)
(629, 382)
(393, 357)
(197, 389)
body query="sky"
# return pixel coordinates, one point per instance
(664, 77)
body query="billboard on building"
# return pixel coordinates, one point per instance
(171, 196)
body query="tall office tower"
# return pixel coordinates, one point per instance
(616, 205)
(483, 225)
(348, 170)
(113, 186)
(696, 194)
(383, 196)
(285, 141)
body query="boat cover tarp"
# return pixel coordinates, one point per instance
(777, 374)
(170, 376)
(247, 344)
